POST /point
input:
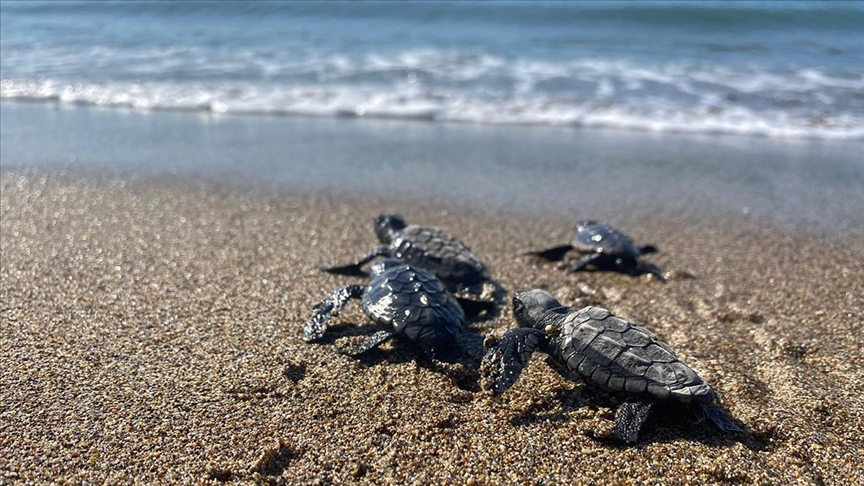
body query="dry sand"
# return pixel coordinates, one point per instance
(151, 333)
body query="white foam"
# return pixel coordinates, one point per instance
(459, 86)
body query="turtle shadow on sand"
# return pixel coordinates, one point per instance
(554, 410)
(468, 343)
(459, 362)
(345, 330)
(670, 422)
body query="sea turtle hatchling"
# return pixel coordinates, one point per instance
(604, 248)
(406, 299)
(606, 351)
(430, 248)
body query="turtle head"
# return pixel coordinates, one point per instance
(379, 266)
(387, 225)
(586, 224)
(530, 306)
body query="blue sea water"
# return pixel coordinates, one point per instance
(791, 69)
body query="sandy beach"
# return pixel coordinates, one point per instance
(151, 334)
(174, 174)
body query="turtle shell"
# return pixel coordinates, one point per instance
(596, 237)
(448, 258)
(415, 303)
(618, 355)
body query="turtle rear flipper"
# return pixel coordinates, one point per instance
(370, 342)
(630, 417)
(719, 417)
(503, 364)
(354, 269)
(316, 326)
(552, 254)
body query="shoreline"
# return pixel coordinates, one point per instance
(212, 110)
(540, 171)
(151, 333)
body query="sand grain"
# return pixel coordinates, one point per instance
(151, 332)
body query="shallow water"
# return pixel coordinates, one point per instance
(811, 184)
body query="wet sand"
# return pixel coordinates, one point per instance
(151, 333)
(554, 171)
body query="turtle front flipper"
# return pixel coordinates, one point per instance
(316, 326)
(354, 269)
(372, 341)
(554, 254)
(503, 364)
(630, 417)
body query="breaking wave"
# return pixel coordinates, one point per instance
(457, 86)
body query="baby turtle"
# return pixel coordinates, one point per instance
(430, 248)
(608, 352)
(406, 299)
(604, 248)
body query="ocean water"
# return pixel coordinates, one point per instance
(786, 70)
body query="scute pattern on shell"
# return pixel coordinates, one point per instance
(435, 250)
(415, 303)
(616, 354)
(594, 237)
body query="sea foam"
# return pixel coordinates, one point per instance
(464, 86)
